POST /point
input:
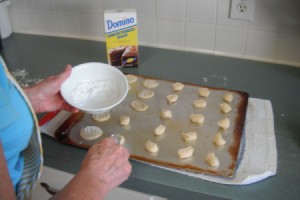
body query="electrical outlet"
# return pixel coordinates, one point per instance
(242, 9)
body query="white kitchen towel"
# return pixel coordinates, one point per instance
(259, 154)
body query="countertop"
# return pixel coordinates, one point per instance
(43, 56)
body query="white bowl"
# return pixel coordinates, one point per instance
(95, 87)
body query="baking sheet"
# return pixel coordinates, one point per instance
(143, 124)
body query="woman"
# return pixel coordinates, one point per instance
(105, 166)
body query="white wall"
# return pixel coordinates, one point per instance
(192, 25)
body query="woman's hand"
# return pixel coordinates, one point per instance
(105, 166)
(45, 96)
(109, 162)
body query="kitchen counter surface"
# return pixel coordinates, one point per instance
(43, 56)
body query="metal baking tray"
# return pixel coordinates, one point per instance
(142, 125)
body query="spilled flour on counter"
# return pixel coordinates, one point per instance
(24, 78)
(95, 94)
(217, 80)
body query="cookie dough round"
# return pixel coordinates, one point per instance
(204, 92)
(178, 86)
(172, 98)
(145, 94)
(224, 123)
(219, 140)
(90, 132)
(185, 152)
(197, 118)
(150, 83)
(160, 130)
(225, 107)
(228, 97)
(151, 147)
(124, 120)
(139, 106)
(189, 136)
(131, 78)
(212, 160)
(121, 139)
(101, 117)
(200, 103)
(166, 114)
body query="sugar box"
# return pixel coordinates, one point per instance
(121, 36)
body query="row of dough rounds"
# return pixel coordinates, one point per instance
(93, 132)
(90, 133)
(187, 152)
(172, 98)
(183, 153)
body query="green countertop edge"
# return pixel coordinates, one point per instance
(42, 56)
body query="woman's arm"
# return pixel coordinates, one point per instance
(6, 186)
(45, 96)
(105, 166)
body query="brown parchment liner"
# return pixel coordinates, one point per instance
(68, 132)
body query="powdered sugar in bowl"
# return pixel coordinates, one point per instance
(95, 87)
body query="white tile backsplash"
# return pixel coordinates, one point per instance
(68, 23)
(114, 4)
(91, 26)
(89, 6)
(171, 9)
(147, 31)
(66, 5)
(230, 40)
(266, 15)
(144, 8)
(206, 13)
(201, 25)
(25, 20)
(22, 4)
(200, 36)
(47, 5)
(170, 33)
(47, 22)
(261, 43)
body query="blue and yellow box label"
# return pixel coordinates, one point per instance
(121, 36)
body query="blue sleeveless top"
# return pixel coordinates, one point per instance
(16, 126)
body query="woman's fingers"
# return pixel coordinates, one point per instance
(109, 161)
(64, 75)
